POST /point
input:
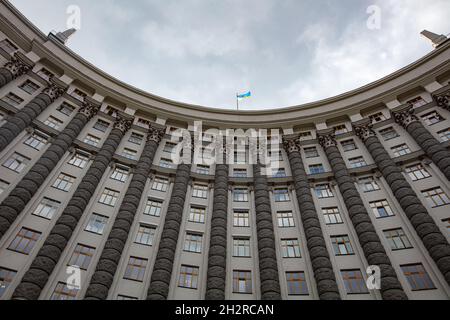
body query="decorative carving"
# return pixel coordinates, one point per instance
(291, 145)
(123, 124)
(155, 134)
(327, 140)
(17, 67)
(54, 91)
(443, 100)
(89, 109)
(364, 131)
(405, 116)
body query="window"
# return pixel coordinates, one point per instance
(444, 135)
(6, 277)
(193, 242)
(29, 87)
(53, 122)
(109, 197)
(12, 99)
(79, 95)
(332, 216)
(369, 184)
(281, 195)
(8, 46)
(188, 277)
(66, 109)
(153, 208)
(97, 223)
(432, 118)
(82, 256)
(92, 140)
(400, 150)
(417, 172)
(417, 102)
(64, 182)
(311, 152)
(397, 239)
(165, 163)
(354, 281)
(242, 282)
(417, 277)
(342, 245)
(169, 147)
(135, 269)
(357, 162)
(129, 154)
(145, 235)
(341, 129)
(101, 125)
(323, 191)
(160, 184)
(285, 219)
(381, 209)
(240, 195)
(389, 133)
(241, 218)
(436, 197)
(3, 186)
(136, 138)
(201, 169)
(16, 162)
(316, 169)
(47, 208)
(36, 141)
(79, 160)
(120, 174)
(197, 215)
(200, 191)
(62, 292)
(240, 173)
(24, 241)
(241, 247)
(45, 74)
(143, 123)
(305, 136)
(278, 172)
(290, 248)
(377, 117)
(125, 298)
(349, 145)
(296, 283)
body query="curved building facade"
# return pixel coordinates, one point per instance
(350, 202)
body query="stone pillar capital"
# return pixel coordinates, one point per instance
(123, 123)
(89, 109)
(363, 130)
(443, 100)
(17, 67)
(404, 116)
(54, 90)
(327, 138)
(291, 145)
(156, 134)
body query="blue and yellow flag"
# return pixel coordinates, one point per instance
(244, 95)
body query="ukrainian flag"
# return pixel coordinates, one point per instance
(244, 95)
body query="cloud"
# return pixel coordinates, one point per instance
(287, 52)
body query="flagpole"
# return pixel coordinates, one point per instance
(237, 101)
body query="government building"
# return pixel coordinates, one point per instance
(94, 207)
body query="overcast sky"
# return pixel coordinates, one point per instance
(287, 52)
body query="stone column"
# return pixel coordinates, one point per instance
(430, 145)
(268, 267)
(163, 267)
(14, 68)
(103, 277)
(19, 197)
(217, 254)
(320, 259)
(23, 118)
(435, 242)
(48, 256)
(373, 249)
